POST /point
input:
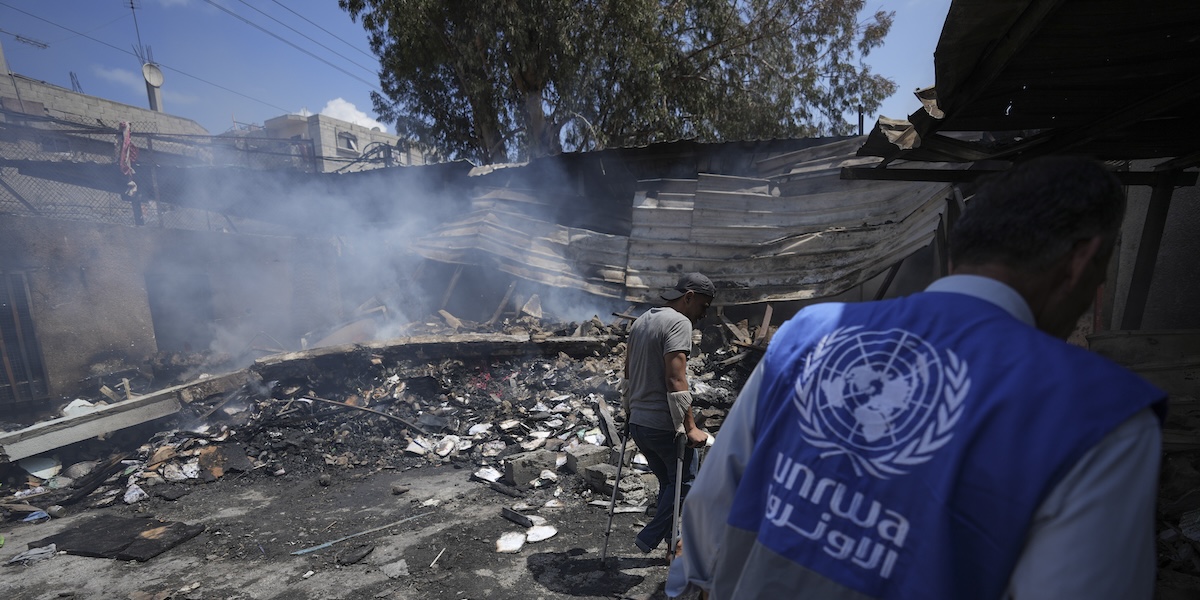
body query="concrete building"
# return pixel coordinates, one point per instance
(342, 146)
(103, 269)
(23, 95)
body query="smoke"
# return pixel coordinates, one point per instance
(348, 271)
(340, 108)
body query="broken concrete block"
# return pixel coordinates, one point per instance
(600, 477)
(523, 468)
(584, 456)
(395, 570)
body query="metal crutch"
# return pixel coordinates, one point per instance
(680, 448)
(612, 503)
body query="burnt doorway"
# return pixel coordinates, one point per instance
(181, 306)
(22, 372)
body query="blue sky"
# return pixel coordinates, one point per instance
(261, 77)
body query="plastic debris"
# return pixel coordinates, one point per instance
(29, 492)
(36, 517)
(34, 555)
(78, 407)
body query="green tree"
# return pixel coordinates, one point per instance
(499, 80)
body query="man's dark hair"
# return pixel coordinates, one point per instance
(1031, 214)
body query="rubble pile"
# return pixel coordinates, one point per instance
(1178, 522)
(533, 426)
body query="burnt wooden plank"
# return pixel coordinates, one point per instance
(122, 538)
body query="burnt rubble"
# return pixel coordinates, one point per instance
(526, 407)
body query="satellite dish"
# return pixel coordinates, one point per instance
(153, 74)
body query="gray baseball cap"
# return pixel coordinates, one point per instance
(691, 282)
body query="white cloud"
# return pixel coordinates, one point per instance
(172, 97)
(339, 108)
(127, 78)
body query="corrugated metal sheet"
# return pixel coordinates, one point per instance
(797, 232)
(1111, 79)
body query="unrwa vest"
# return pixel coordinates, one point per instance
(902, 447)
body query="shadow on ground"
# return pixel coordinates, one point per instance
(576, 574)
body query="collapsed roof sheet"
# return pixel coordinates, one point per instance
(1107, 78)
(798, 232)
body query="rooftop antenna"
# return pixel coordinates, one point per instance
(40, 45)
(150, 71)
(75, 86)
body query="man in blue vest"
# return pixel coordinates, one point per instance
(948, 444)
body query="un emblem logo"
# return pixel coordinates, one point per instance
(885, 399)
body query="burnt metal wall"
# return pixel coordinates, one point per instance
(91, 308)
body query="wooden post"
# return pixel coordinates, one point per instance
(154, 181)
(500, 309)
(22, 347)
(940, 259)
(760, 336)
(450, 288)
(887, 281)
(1147, 253)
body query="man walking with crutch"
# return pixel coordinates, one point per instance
(658, 401)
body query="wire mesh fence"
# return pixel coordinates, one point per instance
(123, 176)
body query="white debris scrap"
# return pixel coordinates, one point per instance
(493, 448)
(419, 446)
(538, 533)
(510, 542)
(134, 493)
(489, 474)
(447, 445)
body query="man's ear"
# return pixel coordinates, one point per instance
(1081, 257)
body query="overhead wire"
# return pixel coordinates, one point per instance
(167, 67)
(274, 35)
(301, 34)
(331, 34)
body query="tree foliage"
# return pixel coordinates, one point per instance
(499, 80)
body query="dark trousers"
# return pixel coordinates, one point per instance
(658, 446)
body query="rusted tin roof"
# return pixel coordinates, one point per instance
(796, 231)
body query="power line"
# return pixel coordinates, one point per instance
(333, 35)
(201, 80)
(260, 28)
(347, 59)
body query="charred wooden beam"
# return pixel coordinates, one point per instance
(56, 433)
(1147, 256)
(426, 348)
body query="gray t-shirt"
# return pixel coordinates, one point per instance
(658, 332)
